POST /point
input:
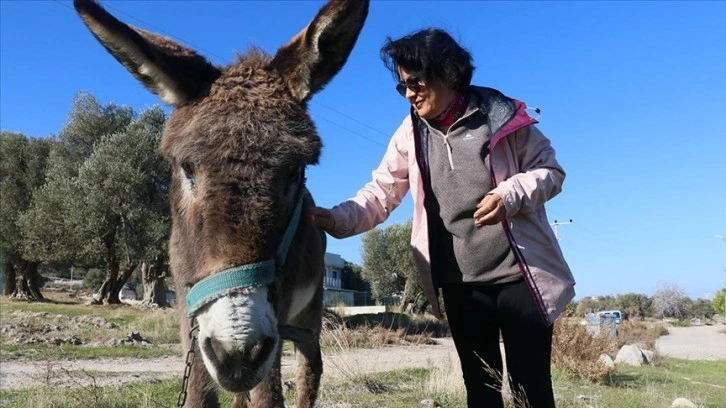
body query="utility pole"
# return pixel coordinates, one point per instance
(557, 224)
(723, 238)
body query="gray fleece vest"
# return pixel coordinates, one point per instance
(459, 171)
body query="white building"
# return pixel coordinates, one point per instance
(333, 282)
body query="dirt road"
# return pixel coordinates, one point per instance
(106, 372)
(693, 343)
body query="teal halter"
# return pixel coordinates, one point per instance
(251, 275)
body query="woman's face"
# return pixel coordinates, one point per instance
(429, 100)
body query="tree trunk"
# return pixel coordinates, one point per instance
(23, 278)
(108, 294)
(412, 294)
(152, 277)
(9, 277)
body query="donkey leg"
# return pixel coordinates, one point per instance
(268, 393)
(309, 371)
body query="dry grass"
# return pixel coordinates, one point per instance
(576, 353)
(639, 333)
(446, 379)
(344, 334)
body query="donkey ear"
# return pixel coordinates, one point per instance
(173, 72)
(313, 57)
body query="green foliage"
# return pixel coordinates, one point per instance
(701, 308)
(88, 122)
(352, 278)
(389, 266)
(571, 309)
(379, 268)
(718, 302)
(94, 278)
(23, 163)
(106, 195)
(634, 305)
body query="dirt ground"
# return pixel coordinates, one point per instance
(695, 343)
(353, 362)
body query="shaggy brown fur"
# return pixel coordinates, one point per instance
(238, 141)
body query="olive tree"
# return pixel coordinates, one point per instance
(23, 165)
(388, 265)
(105, 203)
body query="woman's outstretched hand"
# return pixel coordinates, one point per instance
(323, 218)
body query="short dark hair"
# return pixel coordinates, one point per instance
(432, 55)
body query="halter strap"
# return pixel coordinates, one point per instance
(251, 275)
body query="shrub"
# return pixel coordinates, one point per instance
(639, 333)
(340, 333)
(576, 353)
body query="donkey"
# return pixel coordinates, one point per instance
(247, 261)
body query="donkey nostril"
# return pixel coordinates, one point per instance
(261, 348)
(214, 349)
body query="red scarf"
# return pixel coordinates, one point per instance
(454, 111)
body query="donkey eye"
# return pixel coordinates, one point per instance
(295, 174)
(188, 169)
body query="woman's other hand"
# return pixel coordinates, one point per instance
(489, 211)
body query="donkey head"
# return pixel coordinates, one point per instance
(238, 141)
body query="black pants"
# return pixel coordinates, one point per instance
(476, 315)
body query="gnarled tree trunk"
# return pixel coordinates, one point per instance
(152, 277)
(21, 279)
(115, 281)
(8, 277)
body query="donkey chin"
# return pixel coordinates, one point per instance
(238, 338)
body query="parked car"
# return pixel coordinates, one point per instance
(611, 314)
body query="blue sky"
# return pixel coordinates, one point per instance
(632, 97)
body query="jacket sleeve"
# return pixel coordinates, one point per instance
(378, 198)
(539, 178)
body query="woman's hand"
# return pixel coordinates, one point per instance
(322, 217)
(490, 211)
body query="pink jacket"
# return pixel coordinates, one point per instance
(526, 175)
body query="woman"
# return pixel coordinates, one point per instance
(480, 173)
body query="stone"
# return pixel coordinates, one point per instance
(606, 360)
(649, 355)
(428, 403)
(630, 355)
(682, 403)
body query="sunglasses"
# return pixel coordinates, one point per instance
(413, 83)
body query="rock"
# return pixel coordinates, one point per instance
(648, 356)
(631, 355)
(682, 403)
(429, 403)
(606, 360)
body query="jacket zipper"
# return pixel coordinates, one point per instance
(523, 267)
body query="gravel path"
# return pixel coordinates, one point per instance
(693, 343)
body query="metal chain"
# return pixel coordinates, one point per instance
(182, 399)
